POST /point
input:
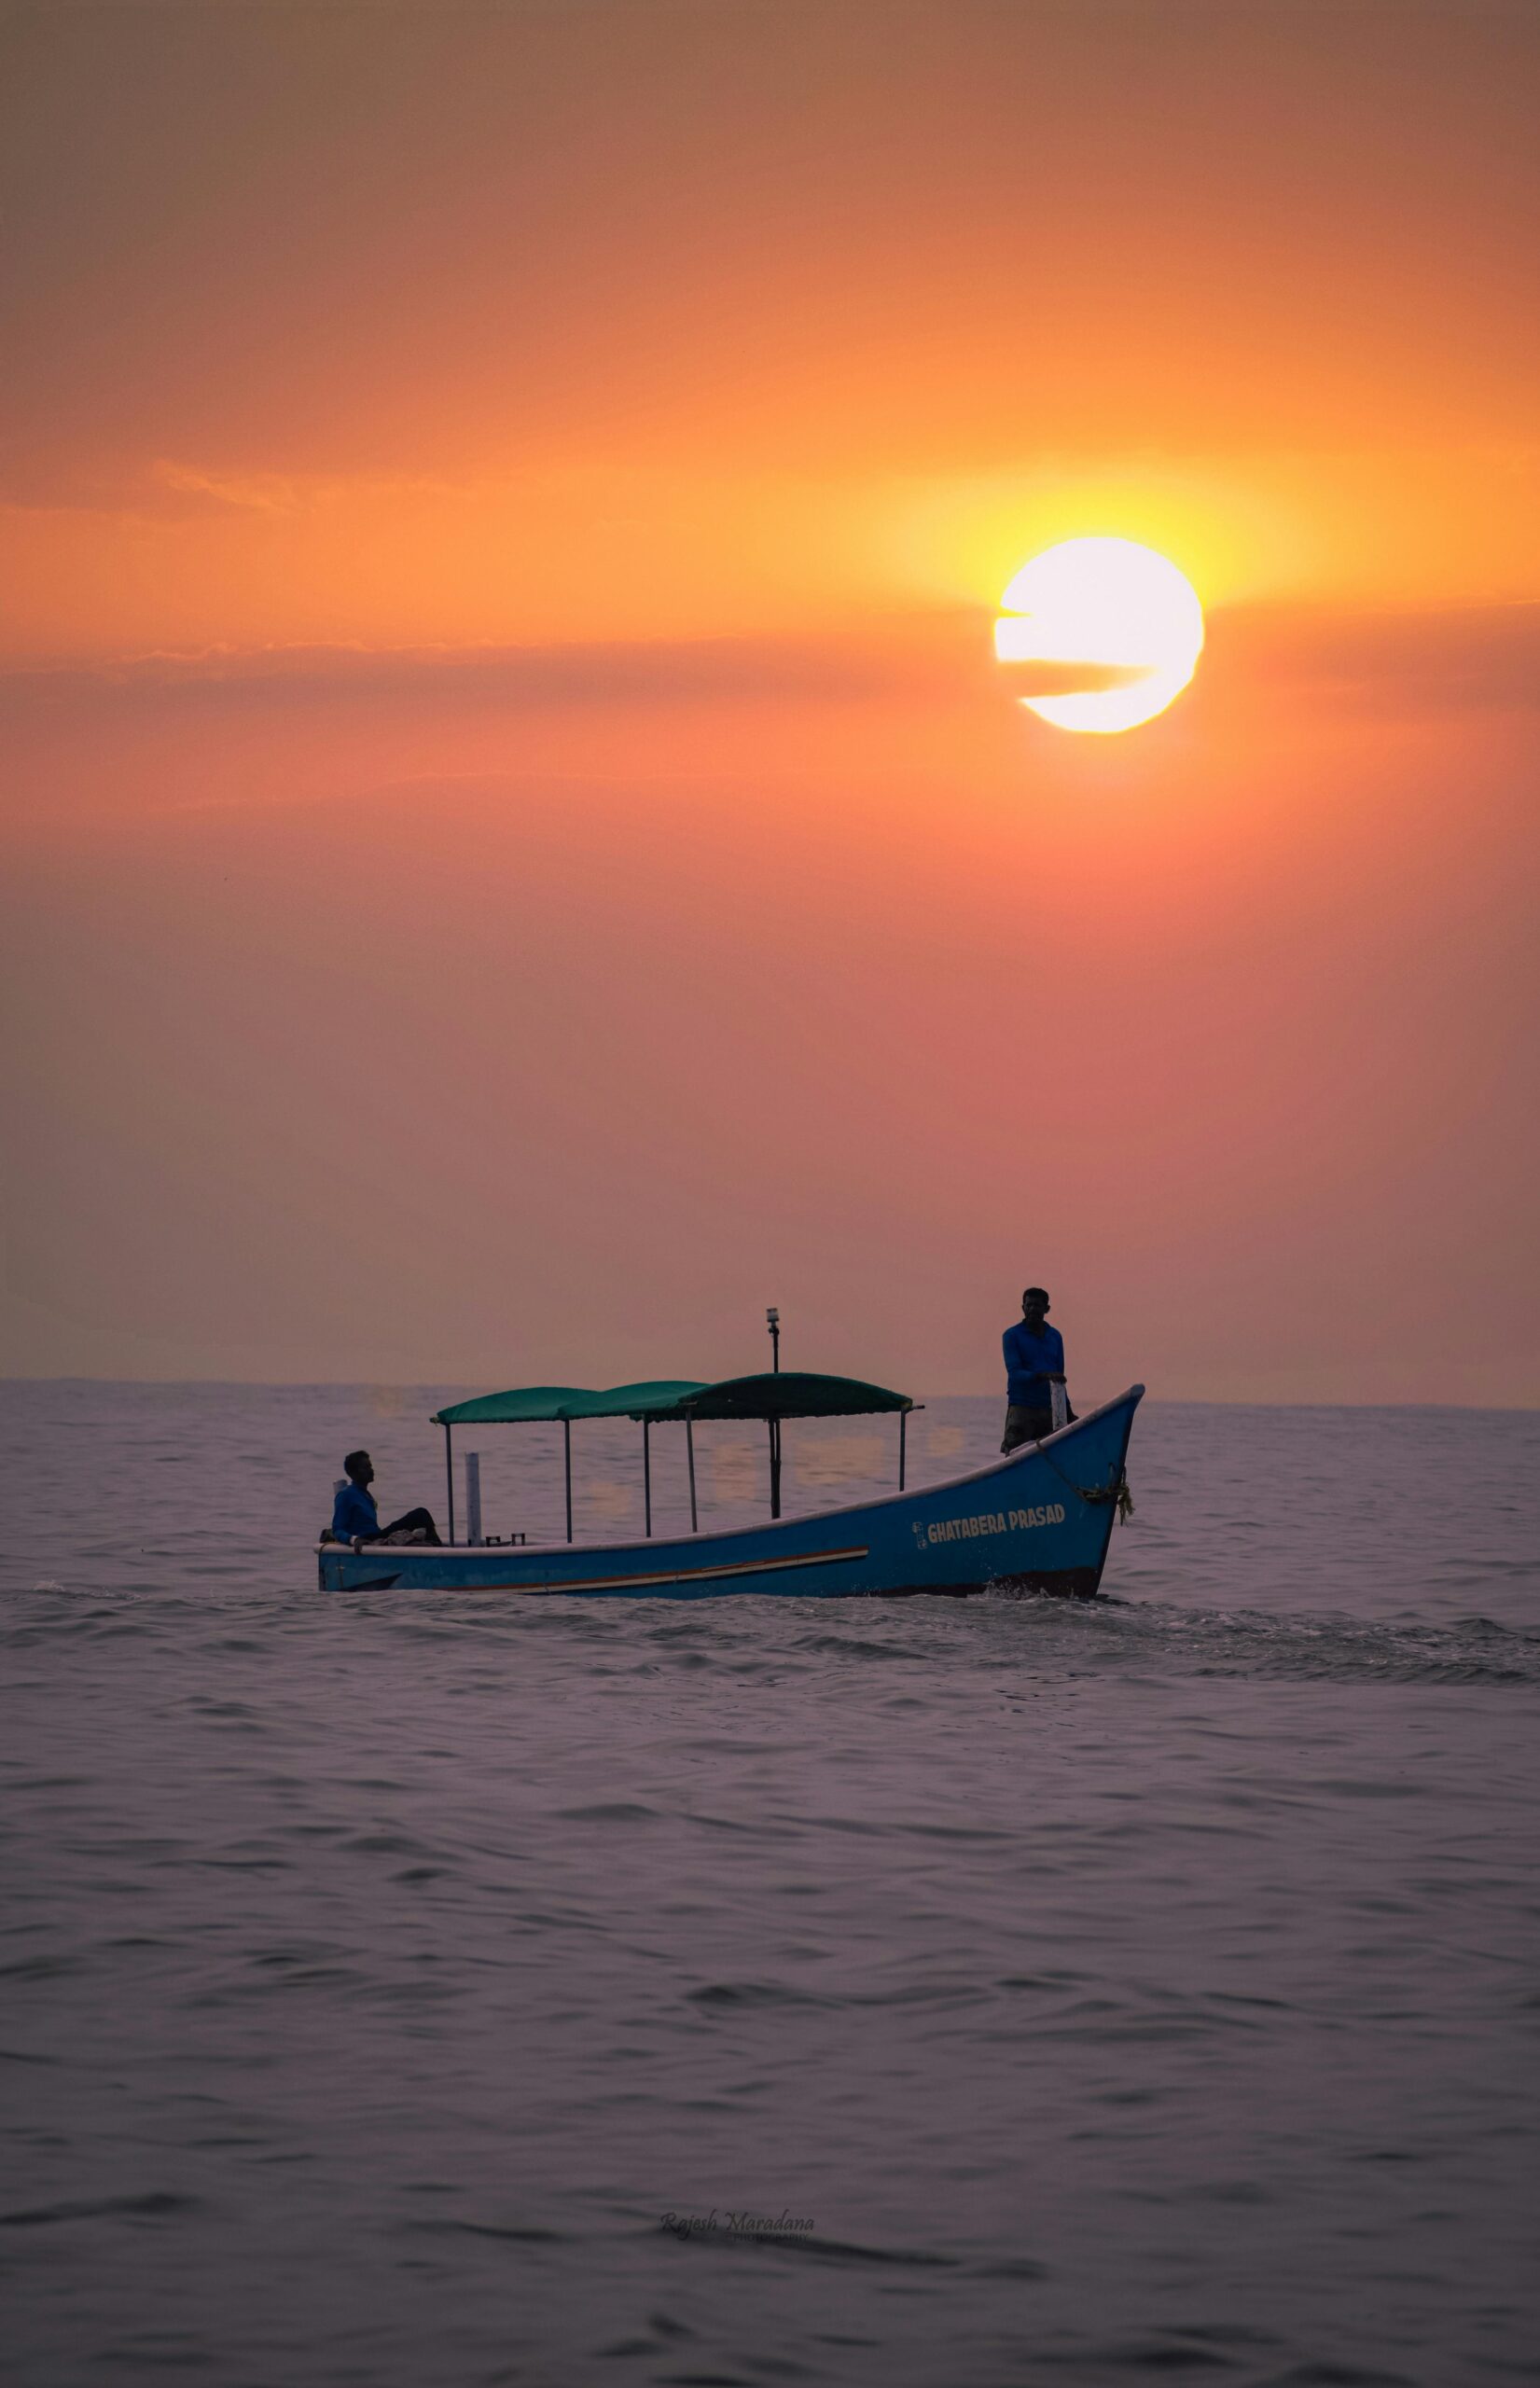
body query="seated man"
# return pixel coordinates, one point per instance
(1035, 1364)
(356, 1519)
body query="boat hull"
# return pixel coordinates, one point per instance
(1040, 1520)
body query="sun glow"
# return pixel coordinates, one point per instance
(1122, 621)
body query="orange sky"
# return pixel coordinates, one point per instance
(516, 851)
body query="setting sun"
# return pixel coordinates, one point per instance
(1123, 623)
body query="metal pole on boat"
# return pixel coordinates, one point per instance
(448, 1471)
(773, 1320)
(903, 1428)
(566, 1454)
(689, 1446)
(647, 1470)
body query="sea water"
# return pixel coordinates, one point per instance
(414, 1989)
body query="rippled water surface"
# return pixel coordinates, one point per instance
(1086, 1993)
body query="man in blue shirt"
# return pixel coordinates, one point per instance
(356, 1519)
(1035, 1364)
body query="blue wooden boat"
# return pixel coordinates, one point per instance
(1040, 1520)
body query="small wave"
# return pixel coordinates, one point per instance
(850, 1645)
(154, 2205)
(757, 1994)
(519, 2234)
(610, 1812)
(833, 2251)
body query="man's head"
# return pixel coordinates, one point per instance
(360, 1467)
(1034, 1306)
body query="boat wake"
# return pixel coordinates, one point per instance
(1331, 1647)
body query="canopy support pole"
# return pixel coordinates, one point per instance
(775, 1466)
(903, 1425)
(646, 1471)
(566, 1460)
(689, 1446)
(448, 1471)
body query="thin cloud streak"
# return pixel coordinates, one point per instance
(1450, 660)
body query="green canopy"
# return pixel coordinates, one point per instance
(794, 1395)
(533, 1405)
(677, 1400)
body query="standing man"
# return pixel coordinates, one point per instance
(1035, 1364)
